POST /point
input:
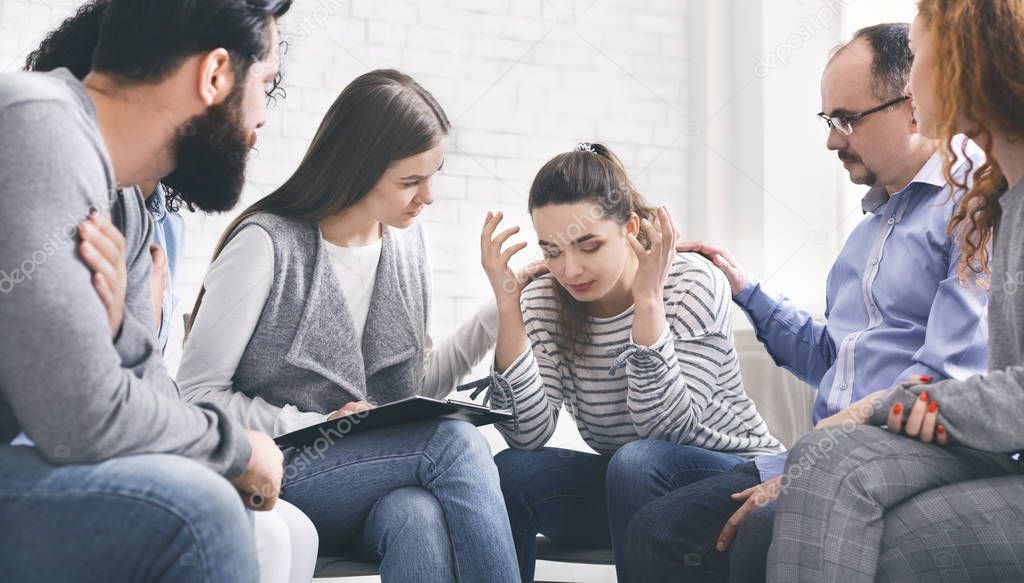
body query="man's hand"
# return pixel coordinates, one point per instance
(260, 483)
(857, 413)
(753, 498)
(102, 248)
(722, 259)
(158, 281)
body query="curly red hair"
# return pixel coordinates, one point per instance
(979, 48)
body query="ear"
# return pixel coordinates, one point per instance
(633, 225)
(216, 77)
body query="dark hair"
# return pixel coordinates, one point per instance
(144, 41)
(591, 173)
(71, 44)
(381, 117)
(891, 57)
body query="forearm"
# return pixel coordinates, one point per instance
(536, 390)
(447, 364)
(791, 336)
(512, 340)
(659, 400)
(649, 321)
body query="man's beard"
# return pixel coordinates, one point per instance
(869, 178)
(210, 155)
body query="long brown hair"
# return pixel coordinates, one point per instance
(592, 173)
(381, 117)
(979, 48)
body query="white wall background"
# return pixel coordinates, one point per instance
(710, 103)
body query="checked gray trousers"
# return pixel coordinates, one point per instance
(862, 504)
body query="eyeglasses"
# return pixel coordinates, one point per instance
(844, 123)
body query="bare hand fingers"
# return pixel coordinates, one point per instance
(733, 524)
(490, 224)
(741, 496)
(941, 435)
(508, 253)
(103, 289)
(638, 248)
(931, 420)
(920, 379)
(499, 240)
(104, 237)
(96, 261)
(895, 421)
(668, 228)
(916, 417)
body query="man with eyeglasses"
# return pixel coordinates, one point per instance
(895, 313)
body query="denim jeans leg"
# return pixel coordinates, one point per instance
(400, 534)
(645, 470)
(152, 517)
(555, 492)
(339, 484)
(748, 555)
(673, 538)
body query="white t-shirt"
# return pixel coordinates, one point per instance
(356, 271)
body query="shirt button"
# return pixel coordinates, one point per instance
(874, 261)
(892, 221)
(842, 386)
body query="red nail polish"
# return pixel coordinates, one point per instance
(941, 430)
(926, 378)
(924, 396)
(933, 407)
(897, 409)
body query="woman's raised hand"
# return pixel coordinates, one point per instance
(506, 284)
(655, 262)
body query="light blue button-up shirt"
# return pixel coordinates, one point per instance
(894, 307)
(169, 233)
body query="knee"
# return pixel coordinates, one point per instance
(635, 462)
(415, 513)
(463, 438)
(516, 474)
(185, 488)
(838, 453)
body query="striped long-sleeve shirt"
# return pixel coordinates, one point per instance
(685, 388)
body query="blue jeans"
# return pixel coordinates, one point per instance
(154, 517)
(423, 499)
(673, 538)
(587, 500)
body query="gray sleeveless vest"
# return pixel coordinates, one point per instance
(304, 351)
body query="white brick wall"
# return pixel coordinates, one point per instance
(522, 80)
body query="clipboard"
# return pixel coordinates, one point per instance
(408, 410)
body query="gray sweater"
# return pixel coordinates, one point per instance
(987, 411)
(79, 395)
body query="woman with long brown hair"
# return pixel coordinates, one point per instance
(938, 496)
(634, 339)
(316, 303)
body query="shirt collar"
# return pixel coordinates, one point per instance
(156, 204)
(930, 174)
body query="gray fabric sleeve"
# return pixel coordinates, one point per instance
(982, 412)
(60, 372)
